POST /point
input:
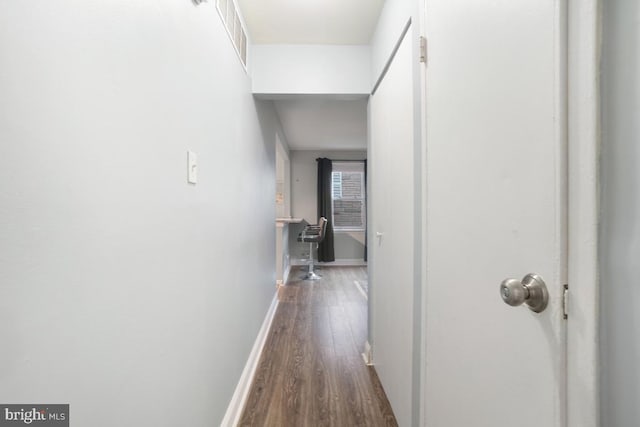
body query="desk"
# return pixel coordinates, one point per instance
(288, 220)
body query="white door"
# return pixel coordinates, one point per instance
(392, 214)
(496, 208)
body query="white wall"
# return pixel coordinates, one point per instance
(304, 178)
(392, 20)
(311, 69)
(283, 178)
(124, 291)
(283, 208)
(620, 210)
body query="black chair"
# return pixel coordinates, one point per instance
(313, 234)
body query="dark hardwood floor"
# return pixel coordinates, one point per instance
(311, 372)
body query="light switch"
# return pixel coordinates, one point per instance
(192, 167)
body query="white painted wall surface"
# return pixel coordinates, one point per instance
(286, 167)
(304, 178)
(283, 181)
(311, 69)
(394, 16)
(620, 210)
(283, 207)
(121, 286)
(282, 252)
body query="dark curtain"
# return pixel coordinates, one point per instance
(325, 248)
(366, 228)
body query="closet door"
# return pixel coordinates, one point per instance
(392, 231)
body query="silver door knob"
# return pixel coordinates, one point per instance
(531, 290)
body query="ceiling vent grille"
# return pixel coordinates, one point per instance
(235, 28)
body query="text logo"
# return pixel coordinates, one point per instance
(34, 415)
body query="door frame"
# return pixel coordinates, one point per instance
(580, 59)
(583, 68)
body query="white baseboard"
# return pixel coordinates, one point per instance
(234, 410)
(285, 276)
(367, 355)
(337, 263)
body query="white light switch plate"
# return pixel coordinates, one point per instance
(192, 167)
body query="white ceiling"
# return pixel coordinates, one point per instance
(310, 21)
(317, 123)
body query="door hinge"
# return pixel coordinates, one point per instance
(565, 302)
(423, 49)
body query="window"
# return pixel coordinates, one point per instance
(348, 196)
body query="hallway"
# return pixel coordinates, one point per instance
(311, 372)
(158, 160)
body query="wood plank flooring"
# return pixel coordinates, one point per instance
(311, 372)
